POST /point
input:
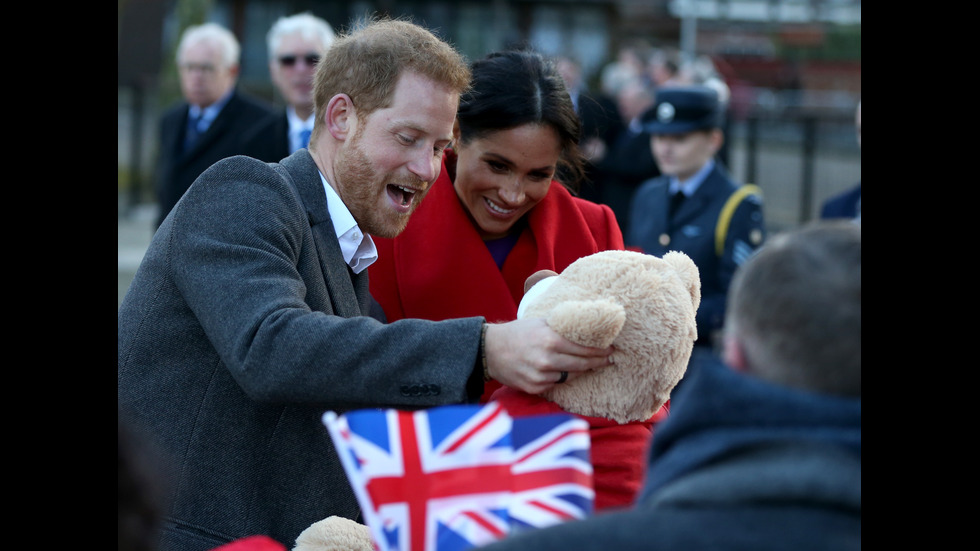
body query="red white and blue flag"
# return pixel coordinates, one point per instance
(457, 477)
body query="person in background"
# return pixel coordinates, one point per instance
(664, 66)
(600, 120)
(762, 449)
(628, 161)
(846, 204)
(684, 208)
(295, 44)
(496, 214)
(248, 317)
(207, 124)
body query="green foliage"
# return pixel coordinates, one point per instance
(840, 43)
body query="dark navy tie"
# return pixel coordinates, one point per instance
(193, 132)
(675, 202)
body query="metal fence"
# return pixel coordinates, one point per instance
(799, 159)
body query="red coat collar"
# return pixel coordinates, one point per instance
(447, 271)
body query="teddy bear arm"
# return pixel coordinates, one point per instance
(588, 322)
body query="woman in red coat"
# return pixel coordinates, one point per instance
(497, 213)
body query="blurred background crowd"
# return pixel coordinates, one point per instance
(789, 70)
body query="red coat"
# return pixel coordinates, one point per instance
(619, 451)
(439, 268)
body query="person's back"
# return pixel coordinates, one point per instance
(762, 450)
(207, 124)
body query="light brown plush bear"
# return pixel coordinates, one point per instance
(645, 307)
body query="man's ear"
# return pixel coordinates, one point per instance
(733, 353)
(340, 117)
(717, 138)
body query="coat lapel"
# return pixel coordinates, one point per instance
(227, 114)
(349, 293)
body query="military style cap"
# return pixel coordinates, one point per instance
(680, 109)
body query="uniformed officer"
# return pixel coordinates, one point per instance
(684, 209)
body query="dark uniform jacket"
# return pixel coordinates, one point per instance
(692, 231)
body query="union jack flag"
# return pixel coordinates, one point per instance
(456, 477)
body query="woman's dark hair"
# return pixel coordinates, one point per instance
(517, 87)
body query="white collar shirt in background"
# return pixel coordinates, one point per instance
(297, 125)
(208, 114)
(693, 183)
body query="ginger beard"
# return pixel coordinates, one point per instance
(368, 193)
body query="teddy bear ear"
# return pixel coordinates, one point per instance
(688, 272)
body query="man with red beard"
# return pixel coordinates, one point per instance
(248, 317)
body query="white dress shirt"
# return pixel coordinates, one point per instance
(357, 247)
(297, 125)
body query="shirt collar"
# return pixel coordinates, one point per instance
(209, 113)
(357, 247)
(694, 182)
(297, 125)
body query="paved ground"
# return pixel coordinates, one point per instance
(134, 233)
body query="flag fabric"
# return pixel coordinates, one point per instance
(456, 477)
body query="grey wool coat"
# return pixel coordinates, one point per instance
(242, 326)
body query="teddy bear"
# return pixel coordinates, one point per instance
(645, 307)
(642, 305)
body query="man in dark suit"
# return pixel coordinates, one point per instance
(846, 204)
(248, 316)
(295, 45)
(600, 119)
(207, 125)
(684, 208)
(628, 161)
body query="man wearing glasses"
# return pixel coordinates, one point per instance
(206, 126)
(295, 44)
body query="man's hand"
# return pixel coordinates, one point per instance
(528, 355)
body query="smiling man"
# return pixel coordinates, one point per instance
(249, 315)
